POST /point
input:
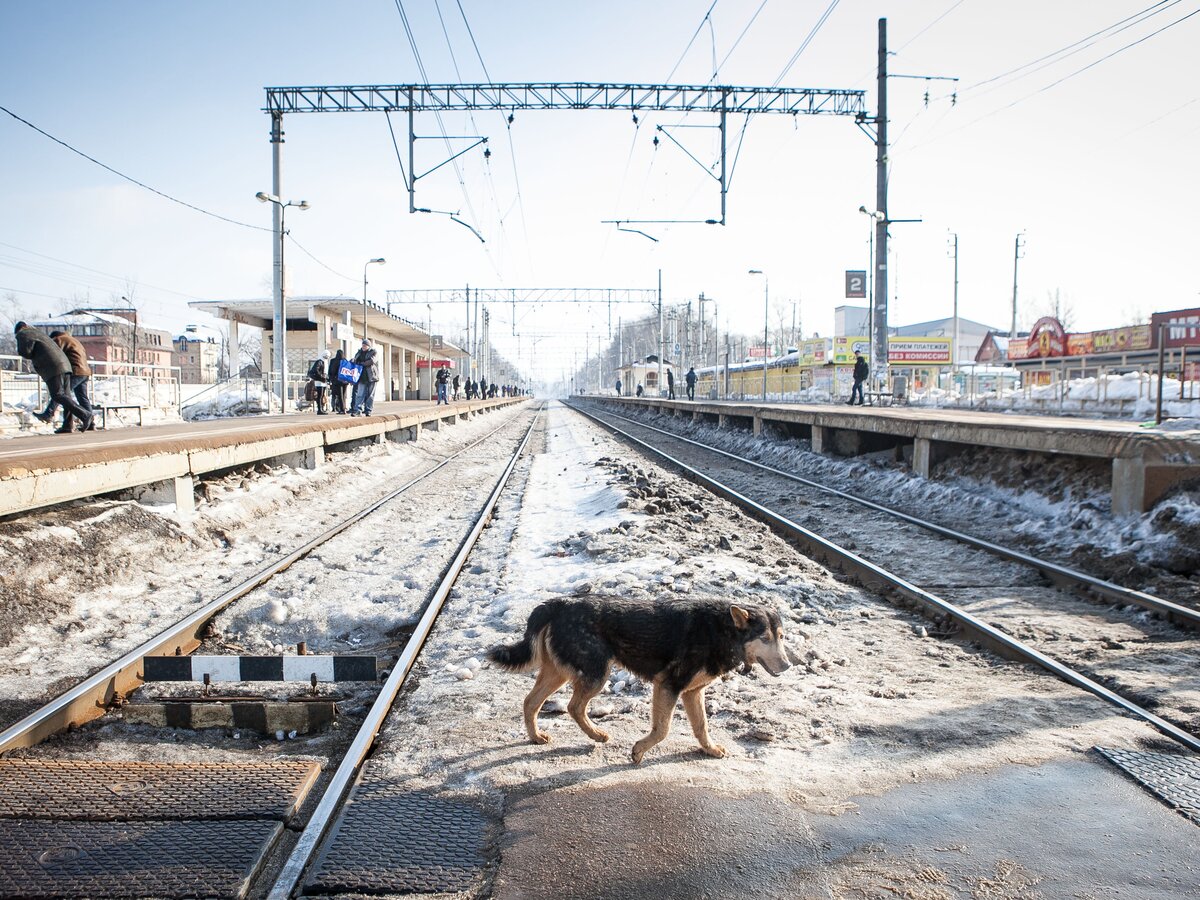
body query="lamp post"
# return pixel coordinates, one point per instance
(429, 334)
(381, 261)
(280, 307)
(766, 323)
(954, 340)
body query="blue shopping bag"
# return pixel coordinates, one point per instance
(348, 372)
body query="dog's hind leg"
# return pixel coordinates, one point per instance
(693, 705)
(583, 692)
(550, 678)
(660, 721)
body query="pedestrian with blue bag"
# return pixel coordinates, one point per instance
(364, 392)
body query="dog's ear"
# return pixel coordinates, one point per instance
(741, 618)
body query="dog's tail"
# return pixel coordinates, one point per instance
(525, 654)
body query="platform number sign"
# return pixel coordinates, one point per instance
(856, 283)
(437, 341)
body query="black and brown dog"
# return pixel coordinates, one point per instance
(680, 647)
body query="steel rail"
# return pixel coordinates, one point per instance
(878, 580)
(331, 801)
(1180, 615)
(91, 697)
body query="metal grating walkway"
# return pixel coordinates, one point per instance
(1173, 778)
(131, 859)
(105, 791)
(393, 840)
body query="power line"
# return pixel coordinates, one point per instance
(804, 44)
(130, 178)
(120, 279)
(955, 6)
(1082, 43)
(695, 34)
(303, 250)
(717, 68)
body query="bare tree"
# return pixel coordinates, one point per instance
(1058, 305)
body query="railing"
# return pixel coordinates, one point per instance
(143, 384)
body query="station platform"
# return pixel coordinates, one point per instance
(158, 462)
(1146, 463)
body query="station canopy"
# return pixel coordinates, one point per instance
(260, 312)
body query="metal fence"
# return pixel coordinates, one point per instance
(148, 386)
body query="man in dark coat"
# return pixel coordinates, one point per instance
(364, 391)
(860, 375)
(454, 387)
(52, 365)
(670, 385)
(318, 374)
(443, 381)
(80, 373)
(690, 378)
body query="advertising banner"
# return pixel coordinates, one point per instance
(758, 351)
(815, 352)
(1079, 344)
(927, 351)
(1119, 340)
(844, 349)
(1018, 348)
(1183, 327)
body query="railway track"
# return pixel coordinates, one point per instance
(1145, 664)
(94, 695)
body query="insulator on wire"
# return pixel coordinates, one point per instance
(510, 118)
(656, 142)
(954, 98)
(635, 119)
(927, 99)
(487, 152)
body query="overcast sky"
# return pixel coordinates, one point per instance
(1097, 167)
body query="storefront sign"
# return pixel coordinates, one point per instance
(1018, 348)
(1183, 327)
(928, 351)
(1047, 338)
(844, 348)
(1079, 344)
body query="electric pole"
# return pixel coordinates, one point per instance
(1018, 246)
(954, 339)
(880, 324)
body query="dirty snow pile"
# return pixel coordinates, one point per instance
(1058, 507)
(230, 398)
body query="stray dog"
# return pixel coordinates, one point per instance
(681, 647)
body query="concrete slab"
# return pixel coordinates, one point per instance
(1070, 828)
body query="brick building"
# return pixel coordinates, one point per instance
(113, 337)
(199, 360)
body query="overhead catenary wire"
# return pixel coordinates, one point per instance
(706, 19)
(130, 178)
(804, 44)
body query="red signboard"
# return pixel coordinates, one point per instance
(1046, 339)
(437, 363)
(1183, 327)
(759, 351)
(1018, 348)
(1079, 344)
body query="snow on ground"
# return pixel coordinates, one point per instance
(1058, 505)
(85, 582)
(241, 397)
(874, 702)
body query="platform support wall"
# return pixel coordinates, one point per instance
(311, 458)
(179, 491)
(820, 439)
(922, 456)
(758, 425)
(722, 420)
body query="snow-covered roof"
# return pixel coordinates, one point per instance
(76, 319)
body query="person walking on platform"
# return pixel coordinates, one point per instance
(670, 385)
(318, 374)
(639, 390)
(337, 387)
(454, 387)
(364, 391)
(443, 382)
(860, 375)
(690, 378)
(53, 367)
(618, 387)
(80, 373)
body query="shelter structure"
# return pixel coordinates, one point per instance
(319, 323)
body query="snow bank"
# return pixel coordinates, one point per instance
(233, 398)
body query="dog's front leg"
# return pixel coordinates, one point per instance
(660, 720)
(693, 705)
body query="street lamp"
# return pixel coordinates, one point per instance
(380, 260)
(766, 323)
(280, 307)
(429, 334)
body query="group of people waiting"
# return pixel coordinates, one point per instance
(329, 376)
(329, 373)
(689, 378)
(61, 362)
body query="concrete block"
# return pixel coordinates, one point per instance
(263, 716)
(179, 491)
(1137, 486)
(758, 425)
(721, 420)
(820, 439)
(922, 452)
(695, 415)
(310, 458)
(434, 424)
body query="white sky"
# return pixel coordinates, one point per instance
(1099, 170)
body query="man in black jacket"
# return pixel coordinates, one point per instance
(52, 365)
(364, 391)
(318, 374)
(80, 373)
(690, 378)
(860, 375)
